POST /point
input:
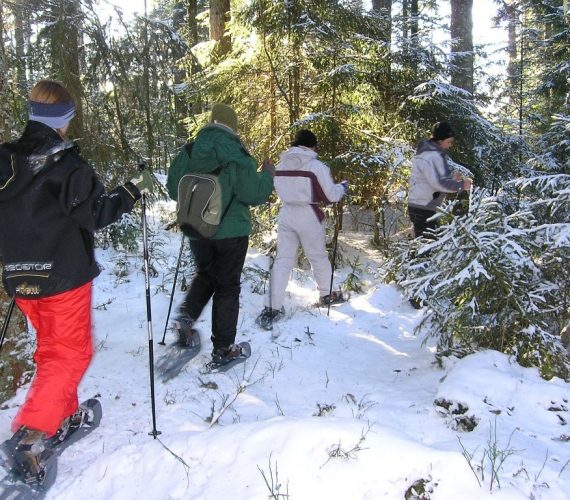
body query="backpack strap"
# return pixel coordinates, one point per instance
(188, 148)
(227, 207)
(318, 195)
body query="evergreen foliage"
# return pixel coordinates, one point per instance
(497, 278)
(370, 84)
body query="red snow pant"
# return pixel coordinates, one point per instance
(63, 352)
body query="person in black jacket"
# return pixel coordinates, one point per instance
(51, 202)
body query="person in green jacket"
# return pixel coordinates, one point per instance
(219, 260)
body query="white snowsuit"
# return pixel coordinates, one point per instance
(301, 182)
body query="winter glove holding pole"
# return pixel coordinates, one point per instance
(461, 206)
(345, 186)
(143, 181)
(467, 182)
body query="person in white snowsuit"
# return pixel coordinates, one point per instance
(431, 178)
(302, 182)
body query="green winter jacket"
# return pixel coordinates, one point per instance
(216, 146)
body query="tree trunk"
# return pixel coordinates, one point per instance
(273, 107)
(296, 84)
(150, 144)
(3, 79)
(20, 48)
(219, 15)
(66, 55)
(294, 71)
(384, 8)
(462, 44)
(405, 20)
(384, 74)
(179, 75)
(192, 12)
(194, 38)
(513, 65)
(414, 21)
(413, 41)
(126, 148)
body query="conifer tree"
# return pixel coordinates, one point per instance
(462, 44)
(3, 78)
(493, 278)
(65, 41)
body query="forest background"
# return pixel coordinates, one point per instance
(369, 79)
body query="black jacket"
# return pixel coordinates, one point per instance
(51, 202)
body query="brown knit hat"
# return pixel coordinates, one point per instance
(222, 113)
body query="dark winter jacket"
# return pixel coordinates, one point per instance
(218, 147)
(51, 202)
(431, 177)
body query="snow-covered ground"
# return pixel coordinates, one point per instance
(328, 407)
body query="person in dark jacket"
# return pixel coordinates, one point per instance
(431, 178)
(219, 260)
(51, 202)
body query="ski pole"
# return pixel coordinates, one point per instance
(173, 288)
(154, 432)
(335, 245)
(7, 322)
(271, 261)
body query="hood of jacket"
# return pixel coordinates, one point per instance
(21, 160)
(214, 141)
(296, 158)
(427, 145)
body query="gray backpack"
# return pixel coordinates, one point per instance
(199, 210)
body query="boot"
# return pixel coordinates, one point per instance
(335, 297)
(224, 355)
(416, 303)
(269, 316)
(183, 324)
(27, 457)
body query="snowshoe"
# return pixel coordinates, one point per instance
(269, 316)
(30, 460)
(82, 422)
(179, 353)
(30, 463)
(333, 298)
(224, 359)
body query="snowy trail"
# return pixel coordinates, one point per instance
(342, 411)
